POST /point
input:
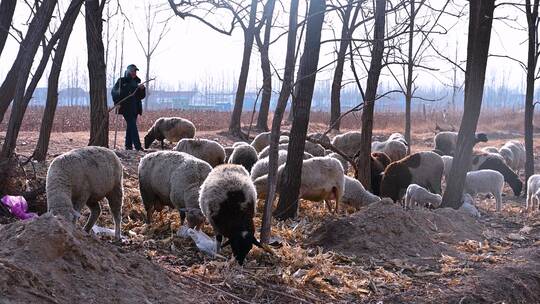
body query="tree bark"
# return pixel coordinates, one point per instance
(364, 157)
(532, 60)
(235, 125)
(335, 94)
(36, 30)
(99, 115)
(40, 153)
(264, 46)
(291, 178)
(284, 94)
(408, 93)
(7, 9)
(480, 22)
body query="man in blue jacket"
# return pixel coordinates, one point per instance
(130, 107)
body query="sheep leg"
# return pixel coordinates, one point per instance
(407, 201)
(115, 204)
(95, 212)
(528, 201)
(162, 144)
(219, 239)
(498, 200)
(182, 217)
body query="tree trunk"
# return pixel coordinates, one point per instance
(284, 94)
(262, 119)
(532, 21)
(148, 91)
(335, 94)
(99, 115)
(36, 30)
(291, 178)
(7, 8)
(408, 93)
(40, 153)
(235, 125)
(364, 159)
(480, 21)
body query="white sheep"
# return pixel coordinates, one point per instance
(348, 143)
(227, 199)
(320, 136)
(264, 153)
(208, 150)
(171, 128)
(468, 206)
(416, 194)
(399, 137)
(170, 178)
(84, 176)
(490, 149)
(533, 193)
(343, 161)
(262, 140)
(446, 141)
(447, 161)
(355, 195)
(484, 182)
(513, 153)
(260, 168)
(245, 155)
(322, 179)
(395, 149)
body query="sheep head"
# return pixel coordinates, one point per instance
(241, 244)
(395, 180)
(481, 137)
(149, 138)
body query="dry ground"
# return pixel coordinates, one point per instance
(380, 253)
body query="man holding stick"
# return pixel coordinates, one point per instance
(128, 93)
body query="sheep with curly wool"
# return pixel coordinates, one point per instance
(422, 168)
(447, 161)
(513, 153)
(208, 150)
(398, 137)
(261, 167)
(262, 140)
(245, 155)
(348, 143)
(533, 193)
(446, 141)
(171, 128)
(227, 199)
(395, 149)
(418, 195)
(343, 161)
(264, 153)
(355, 195)
(495, 162)
(484, 182)
(84, 176)
(170, 178)
(322, 179)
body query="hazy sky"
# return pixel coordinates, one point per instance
(193, 53)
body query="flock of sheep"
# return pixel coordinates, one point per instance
(205, 181)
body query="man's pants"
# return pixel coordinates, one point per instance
(132, 134)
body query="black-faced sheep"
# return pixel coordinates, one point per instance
(348, 143)
(379, 162)
(513, 153)
(260, 168)
(419, 195)
(395, 149)
(84, 176)
(245, 155)
(490, 161)
(483, 182)
(227, 199)
(208, 150)
(170, 178)
(533, 193)
(355, 195)
(322, 179)
(171, 128)
(446, 141)
(422, 168)
(262, 140)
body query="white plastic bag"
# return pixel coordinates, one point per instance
(203, 241)
(103, 231)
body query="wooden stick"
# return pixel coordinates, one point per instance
(130, 95)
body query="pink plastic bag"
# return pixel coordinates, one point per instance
(18, 207)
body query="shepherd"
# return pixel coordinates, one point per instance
(130, 107)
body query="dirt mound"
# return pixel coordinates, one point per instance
(387, 231)
(47, 260)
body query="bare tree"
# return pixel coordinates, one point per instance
(290, 180)
(97, 73)
(364, 154)
(480, 23)
(40, 153)
(150, 43)
(264, 46)
(36, 30)
(531, 11)
(284, 94)
(7, 9)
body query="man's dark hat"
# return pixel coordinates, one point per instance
(132, 67)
